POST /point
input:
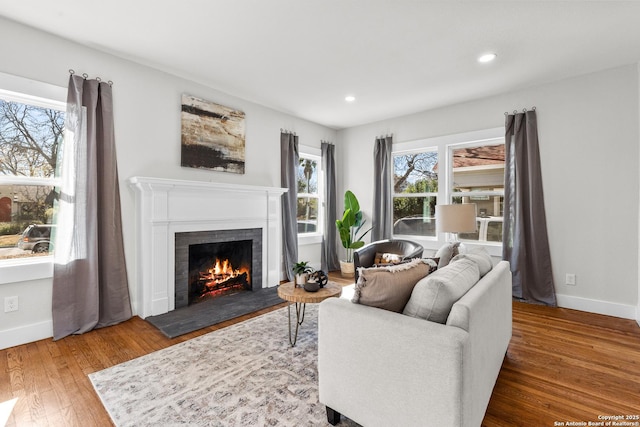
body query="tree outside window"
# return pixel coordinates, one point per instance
(415, 188)
(30, 136)
(308, 195)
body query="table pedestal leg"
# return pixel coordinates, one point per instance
(300, 307)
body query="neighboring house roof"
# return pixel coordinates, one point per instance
(477, 156)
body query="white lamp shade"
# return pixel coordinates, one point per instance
(456, 218)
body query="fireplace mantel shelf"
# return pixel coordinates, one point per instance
(166, 183)
(165, 207)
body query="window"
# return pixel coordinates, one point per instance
(31, 130)
(477, 176)
(462, 168)
(309, 212)
(415, 192)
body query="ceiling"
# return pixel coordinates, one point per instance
(303, 57)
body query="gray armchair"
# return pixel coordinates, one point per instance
(365, 256)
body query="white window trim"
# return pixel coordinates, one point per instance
(314, 238)
(44, 95)
(442, 144)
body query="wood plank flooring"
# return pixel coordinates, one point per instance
(561, 366)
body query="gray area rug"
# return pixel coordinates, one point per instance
(242, 375)
(197, 316)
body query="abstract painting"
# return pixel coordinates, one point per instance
(212, 136)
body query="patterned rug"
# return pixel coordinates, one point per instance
(242, 375)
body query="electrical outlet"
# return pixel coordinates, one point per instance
(570, 279)
(10, 304)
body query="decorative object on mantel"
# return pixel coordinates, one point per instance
(349, 227)
(302, 269)
(212, 136)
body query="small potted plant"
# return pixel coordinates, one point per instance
(302, 269)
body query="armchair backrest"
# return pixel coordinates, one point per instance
(365, 256)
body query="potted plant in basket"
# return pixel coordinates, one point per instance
(349, 227)
(302, 269)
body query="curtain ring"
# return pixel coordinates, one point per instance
(110, 83)
(515, 111)
(85, 75)
(71, 71)
(98, 79)
(534, 108)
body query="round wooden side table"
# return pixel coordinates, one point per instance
(300, 297)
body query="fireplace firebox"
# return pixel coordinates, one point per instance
(216, 263)
(217, 269)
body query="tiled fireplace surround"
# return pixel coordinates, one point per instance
(165, 207)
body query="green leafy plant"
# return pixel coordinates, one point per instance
(350, 225)
(302, 267)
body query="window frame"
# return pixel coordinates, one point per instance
(445, 176)
(315, 154)
(26, 91)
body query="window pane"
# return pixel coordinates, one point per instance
(415, 172)
(307, 215)
(479, 169)
(307, 176)
(414, 216)
(494, 231)
(29, 139)
(23, 209)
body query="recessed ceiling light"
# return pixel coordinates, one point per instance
(487, 57)
(350, 98)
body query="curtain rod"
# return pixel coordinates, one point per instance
(287, 131)
(524, 110)
(85, 76)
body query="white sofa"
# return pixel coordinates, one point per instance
(381, 368)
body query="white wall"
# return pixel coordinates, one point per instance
(147, 123)
(589, 137)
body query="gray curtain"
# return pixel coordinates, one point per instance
(525, 240)
(288, 166)
(90, 288)
(329, 258)
(382, 195)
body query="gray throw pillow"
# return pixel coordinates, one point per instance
(389, 287)
(480, 256)
(446, 252)
(433, 296)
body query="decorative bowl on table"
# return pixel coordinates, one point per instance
(311, 287)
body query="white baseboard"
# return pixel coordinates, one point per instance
(623, 311)
(26, 334)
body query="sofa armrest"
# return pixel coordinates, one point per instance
(383, 368)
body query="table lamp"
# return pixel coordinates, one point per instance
(454, 219)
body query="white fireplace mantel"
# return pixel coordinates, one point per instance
(167, 206)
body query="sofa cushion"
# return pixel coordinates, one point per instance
(389, 287)
(480, 256)
(433, 296)
(387, 258)
(447, 252)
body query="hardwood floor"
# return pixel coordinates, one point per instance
(562, 365)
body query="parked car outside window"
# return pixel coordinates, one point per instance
(36, 238)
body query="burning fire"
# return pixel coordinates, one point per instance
(223, 269)
(222, 277)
